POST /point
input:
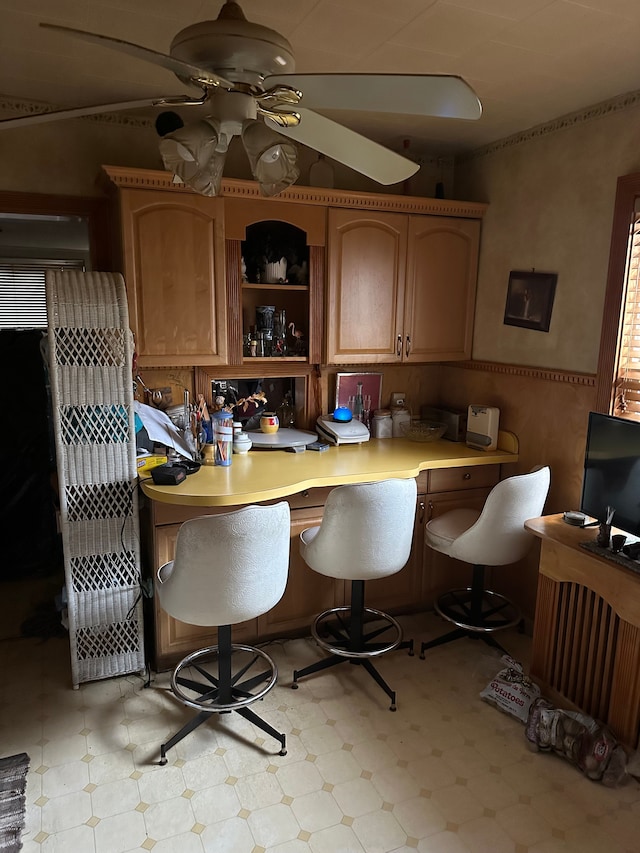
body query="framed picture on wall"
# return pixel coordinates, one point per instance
(347, 388)
(530, 299)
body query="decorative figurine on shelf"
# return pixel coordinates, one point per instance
(243, 270)
(275, 271)
(300, 345)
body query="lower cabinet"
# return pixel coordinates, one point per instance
(307, 594)
(414, 588)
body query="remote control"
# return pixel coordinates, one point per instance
(318, 445)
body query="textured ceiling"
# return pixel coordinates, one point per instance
(529, 61)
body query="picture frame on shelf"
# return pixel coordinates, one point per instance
(529, 300)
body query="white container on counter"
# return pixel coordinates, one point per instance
(242, 443)
(381, 426)
(401, 421)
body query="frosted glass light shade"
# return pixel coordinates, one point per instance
(190, 153)
(273, 159)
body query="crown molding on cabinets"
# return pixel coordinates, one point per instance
(129, 178)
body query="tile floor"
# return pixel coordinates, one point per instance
(446, 773)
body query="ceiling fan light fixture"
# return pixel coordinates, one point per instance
(272, 157)
(192, 154)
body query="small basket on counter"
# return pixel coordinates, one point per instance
(424, 430)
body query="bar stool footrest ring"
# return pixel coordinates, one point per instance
(493, 612)
(331, 631)
(196, 679)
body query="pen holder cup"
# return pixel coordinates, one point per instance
(604, 535)
(223, 438)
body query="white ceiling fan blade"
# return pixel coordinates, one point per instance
(77, 112)
(182, 69)
(440, 95)
(348, 147)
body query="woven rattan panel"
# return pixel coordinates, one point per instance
(91, 350)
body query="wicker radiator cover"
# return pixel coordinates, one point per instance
(91, 349)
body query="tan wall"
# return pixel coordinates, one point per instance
(64, 157)
(550, 196)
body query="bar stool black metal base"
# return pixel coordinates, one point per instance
(208, 681)
(477, 612)
(342, 631)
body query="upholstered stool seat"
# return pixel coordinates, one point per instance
(495, 536)
(366, 533)
(228, 568)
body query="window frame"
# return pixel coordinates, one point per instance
(96, 211)
(627, 193)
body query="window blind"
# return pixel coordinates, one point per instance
(22, 295)
(627, 396)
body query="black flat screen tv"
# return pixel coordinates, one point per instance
(612, 471)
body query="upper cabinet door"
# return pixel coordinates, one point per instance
(367, 263)
(442, 265)
(173, 248)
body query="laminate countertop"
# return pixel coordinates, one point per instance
(263, 475)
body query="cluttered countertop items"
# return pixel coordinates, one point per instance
(243, 418)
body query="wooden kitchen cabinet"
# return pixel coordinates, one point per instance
(400, 272)
(439, 302)
(278, 228)
(174, 269)
(401, 288)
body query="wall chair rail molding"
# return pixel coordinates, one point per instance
(543, 373)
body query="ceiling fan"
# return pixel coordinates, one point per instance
(246, 76)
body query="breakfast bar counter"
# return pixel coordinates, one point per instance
(263, 475)
(448, 474)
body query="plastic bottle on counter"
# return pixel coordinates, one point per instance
(381, 426)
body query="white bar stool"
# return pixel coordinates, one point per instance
(366, 533)
(227, 568)
(494, 537)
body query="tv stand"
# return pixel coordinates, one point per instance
(586, 636)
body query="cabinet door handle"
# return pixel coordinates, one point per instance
(466, 476)
(430, 511)
(421, 508)
(399, 346)
(408, 345)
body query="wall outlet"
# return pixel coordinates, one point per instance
(397, 398)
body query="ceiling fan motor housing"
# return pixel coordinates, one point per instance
(237, 49)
